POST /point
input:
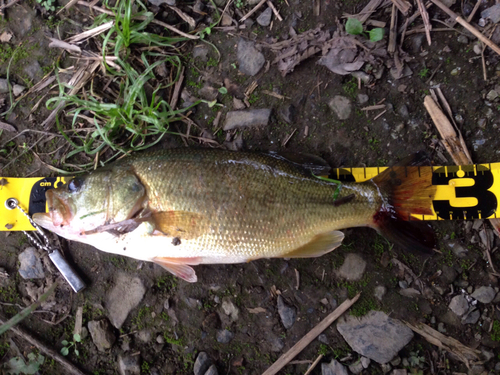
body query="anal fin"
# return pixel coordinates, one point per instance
(179, 267)
(320, 245)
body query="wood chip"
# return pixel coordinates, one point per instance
(392, 31)
(310, 336)
(56, 43)
(255, 9)
(425, 18)
(256, 310)
(275, 11)
(403, 6)
(367, 11)
(373, 107)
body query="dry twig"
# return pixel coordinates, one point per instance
(425, 18)
(403, 6)
(310, 336)
(392, 31)
(255, 9)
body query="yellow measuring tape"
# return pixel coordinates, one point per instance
(462, 192)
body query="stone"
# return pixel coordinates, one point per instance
(462, 39)
(403, 111)
(143, 335)
(125, 296)
(102, 334)
(201, 364)
(472, 317)
(448, 275)
(353, 267)
(128, 365)
(31, 265)
(287, 313)
(277, 343)
(457, 248)
(250, 59)
(200, 51)
(459, 305)
(18, 89)
(4, 86)
(288, 113)
(365, 362)
(484, 294)
(363, 98)
(356, 368)
(249, 117)
(212, 370)
(224, 336)
(492, 95)
(379, 292)
(159, 2)
(492, 13)
(333, 368)
(230, 309)
(441, 327)
(399, 372)
(375, 336)
(265, 17)
(341, 106)
(364, 77)
(323, 339)
(33, 70)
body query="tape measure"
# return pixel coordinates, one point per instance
(464, 192)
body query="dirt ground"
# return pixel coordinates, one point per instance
(175, 320)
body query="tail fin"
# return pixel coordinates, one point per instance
(407, 190)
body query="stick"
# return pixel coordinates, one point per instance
(425, 18)
(275, 11)
(313, 365)
(476, 7)
(392, 31)
(468, 26)
(403, 6)
(367, 11)
(310, 336)
(67, 365)
(261, 2)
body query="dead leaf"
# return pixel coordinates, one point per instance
(56, 43)
(256, 310)
(5, 37)
(3, 182)
(7, 127)
(9, 226)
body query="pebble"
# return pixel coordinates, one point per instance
(102, 334)
(448, 276)
(4, 87)
(333, 368)
(477, 49)
(353, 267)
(365, 362)
(202, 363)
(230, 309)
(462, 39)
(457, 248)
(484, 294)
(356, 368)
(363, 98)
(441, 327)
(125, 296)
(323, 339)
(455, 71)
(287, 314)
(276, 342)
(375, 336)
(143, 335)
(128, 365)
(224, 336)
(403, 284)
(265, 17)
(288, 113)
(493, 13)
(379, 292)
(492, 95)
(472, 317)
(212, 370)
(249, 117)
(31, 265)
(364, 77)
(459, 305)
(250, 59)
(403, 111)
(399, 372)
(341, 106)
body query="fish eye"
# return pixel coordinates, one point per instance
(75, 184)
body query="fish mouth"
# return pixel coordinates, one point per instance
(59, 210)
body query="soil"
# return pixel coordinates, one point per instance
(172, 337)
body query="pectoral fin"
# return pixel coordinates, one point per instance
(182, 224)
(179, 267)
(318, 246)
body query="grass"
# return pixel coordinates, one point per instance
(132, 113)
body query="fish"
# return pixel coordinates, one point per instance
(185, 207)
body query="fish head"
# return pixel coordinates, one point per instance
(86, 202)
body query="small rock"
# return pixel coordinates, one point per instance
(230, 309)
(364, 77)
(353, 267)
(333, 368)
(386, 367)
(288, 113)
(4, 86)
(249, 117)
(448, 276)
(128, 365)
(396, 361)
(250, 59)
(497, 366)
(31, 265)
(287, 314)
(459, 305)
(33, 70)
(201, 364)
(18, 89)
(356, 368)
(493, 13)
(403, 284)
(101, 333)
(144, 335)
(212, 370)
(200, 51)
(363, 98)
(160, 339)
(159, 2)
(441, 327)
(492, 95)
(375, 335)
(365, 362)
(323, 339)
(399, 372)
(472, 317)
(409, 292)
(462, 39)
(403, 111)
(265, 17)
(484, 294)
(238, 104)
(276, 342)
(379, 292)
(455, 71)
(457, 248)
(224, 336)
(341, 106)
(126, 295)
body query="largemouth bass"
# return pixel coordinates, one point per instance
(186, 207)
